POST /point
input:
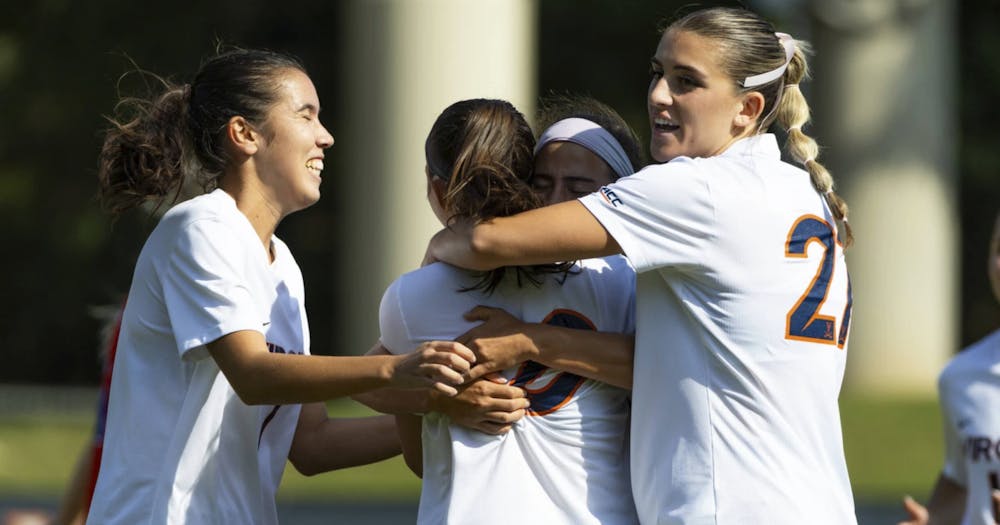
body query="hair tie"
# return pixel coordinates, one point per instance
(796, 127)
(786, 42)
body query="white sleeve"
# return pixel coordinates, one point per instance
(660, 216)
(424, 305)
(392, 327)
(205, 288)
(954, 462)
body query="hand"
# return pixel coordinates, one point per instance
(499, 343)
(454, 245)
(488, 405)
(917, 513)
(438, 365)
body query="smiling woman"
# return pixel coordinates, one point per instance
(213, 355)
(742, 309)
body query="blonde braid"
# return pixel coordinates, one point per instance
(792, 114)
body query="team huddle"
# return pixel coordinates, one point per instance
(590, 340)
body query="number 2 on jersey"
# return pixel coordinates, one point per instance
(804, 322)
(560, 389)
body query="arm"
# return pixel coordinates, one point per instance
(410, 428)
(322, 444)
(945, 507)
(73, 506)
(487, 404)
(262, 377)
(563, 232)
(503, 341)
(484, 405)
(393, 400)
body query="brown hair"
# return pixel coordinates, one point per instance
(748, 46)
(483, 149)
(156, 145)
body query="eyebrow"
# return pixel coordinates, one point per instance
(689, 69)
(308, 107)
(653, 59)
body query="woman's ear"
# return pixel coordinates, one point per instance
(751, 107)
(436, 188)
(242, 135)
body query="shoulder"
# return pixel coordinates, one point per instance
(435, 283)
(435, 274)
(978, 359)
(212, 209)
(660, 188)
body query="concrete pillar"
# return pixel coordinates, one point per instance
(405, 61)
(885, 112)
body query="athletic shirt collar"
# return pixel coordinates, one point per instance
(763, 145)
(229, 202)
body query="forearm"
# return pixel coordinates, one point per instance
(274, 379)
(562, 232)
(331, 444)
(606, 357)
(946, 505)
(395, 400)
(73, 506)
(410, 429)
(262, 377)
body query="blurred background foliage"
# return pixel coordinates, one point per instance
(62, 66)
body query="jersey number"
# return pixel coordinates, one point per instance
(559, 389)
(804, 323)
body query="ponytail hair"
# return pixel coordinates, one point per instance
(792, 113)
(483, 150)
(748, 47)
(145, 153)
(156, 145)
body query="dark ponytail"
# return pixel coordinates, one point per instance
(483, 150)
(143, 156)
(156, 146)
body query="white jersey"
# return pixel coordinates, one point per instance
(180, 446)
(742, 311)
(565, 462)
(969, 389)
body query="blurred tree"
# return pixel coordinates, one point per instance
(979, 160)
(60, 62)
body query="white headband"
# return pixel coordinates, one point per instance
(788, 43)
(591, 136)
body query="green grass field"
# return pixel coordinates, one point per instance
(893, 447)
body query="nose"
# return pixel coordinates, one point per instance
(560, 194)
(659, 92)
(325, 139)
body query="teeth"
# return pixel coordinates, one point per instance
(315, 165)
(664, 122)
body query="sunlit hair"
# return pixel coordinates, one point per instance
(158, 144)
(746, 46)
(482, 149)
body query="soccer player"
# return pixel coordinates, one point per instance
(966, 491)
(212, 358)
(564, 462)
(743, 301)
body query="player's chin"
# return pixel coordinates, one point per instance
(663, 148)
